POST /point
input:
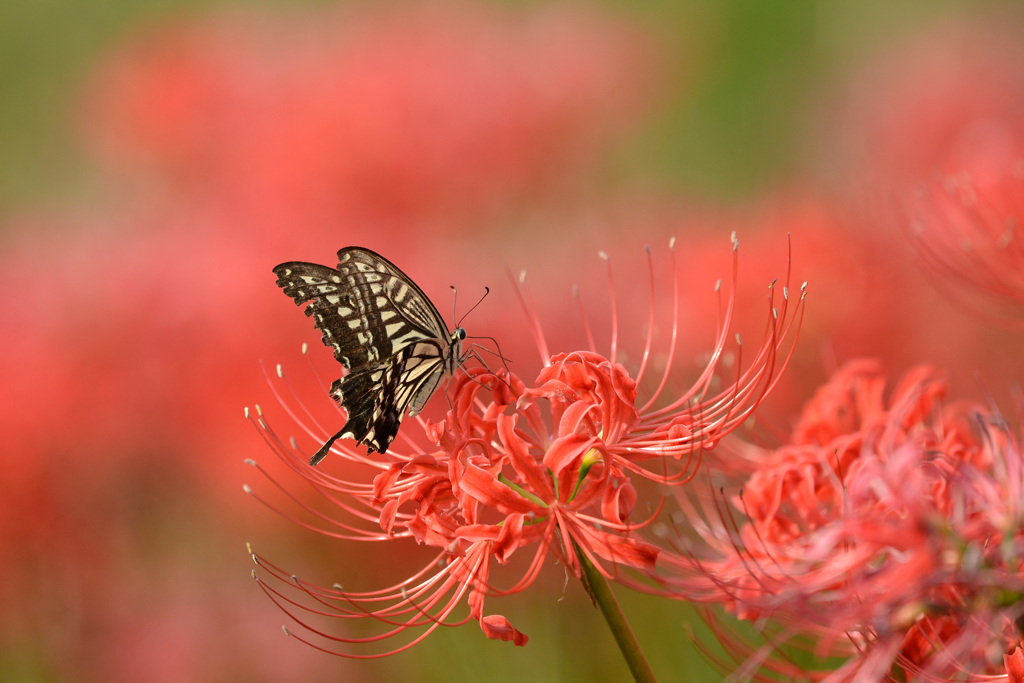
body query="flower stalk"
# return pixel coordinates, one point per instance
(601, 593)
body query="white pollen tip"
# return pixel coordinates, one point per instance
(672, 242)
(259, 411)
(785, 293)
(718, 285)
(250, 462)
(247, 489)
(522, 276)
(280, 372)
(602, 255)
(305, 348)
(248, 547)
(286, 631)
(739, 339)
(246, 412)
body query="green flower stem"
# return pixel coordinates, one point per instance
(601, 593)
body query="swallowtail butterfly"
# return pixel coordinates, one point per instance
(385, 330)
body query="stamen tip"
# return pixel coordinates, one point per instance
(250, 462)
(672, 242)
(735, 241)
(305, 348)
(247, 412)
(280, 371)
(575, 291)
(286, 631)
(247, 489)
(739, 339)
(522, 276)
(603, 255)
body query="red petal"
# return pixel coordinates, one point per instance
(497, 627)
(486, 488)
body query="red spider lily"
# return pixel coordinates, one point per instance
(967, 234)
(546, 469)
(888, 532)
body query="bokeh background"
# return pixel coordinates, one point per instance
(157, 158)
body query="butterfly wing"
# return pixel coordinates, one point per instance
(376, 397)
(384, 329)
(330, 303)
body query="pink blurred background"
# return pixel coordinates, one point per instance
(156, 165)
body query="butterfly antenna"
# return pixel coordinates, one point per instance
(455, 303)
(487, 290)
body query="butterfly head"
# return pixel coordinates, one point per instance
(454, 357)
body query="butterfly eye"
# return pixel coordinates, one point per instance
(460, 333)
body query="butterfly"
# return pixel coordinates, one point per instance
(385, 330)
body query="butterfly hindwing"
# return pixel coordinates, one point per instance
(377, 397)
(384, 329)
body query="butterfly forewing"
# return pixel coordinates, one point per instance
(384, 329)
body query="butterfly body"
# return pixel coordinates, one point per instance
(385, 330)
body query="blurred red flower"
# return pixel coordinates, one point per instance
(949, 99)
(967, 233)
(440, 112)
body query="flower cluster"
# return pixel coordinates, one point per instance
(890, 531)
(551, 468)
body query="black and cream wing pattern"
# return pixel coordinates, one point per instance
(385, 330)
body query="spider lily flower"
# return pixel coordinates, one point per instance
(513, 474)
(966, 232)
(888, 533)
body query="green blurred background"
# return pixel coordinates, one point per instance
(752, 75)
